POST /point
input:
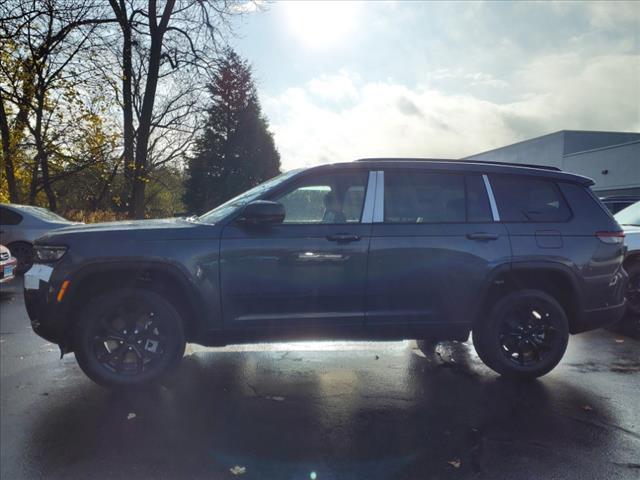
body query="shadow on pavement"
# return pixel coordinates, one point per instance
(386, 411)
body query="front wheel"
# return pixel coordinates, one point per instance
(128, 337)
(525, 334)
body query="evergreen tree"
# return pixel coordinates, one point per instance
(236, 150)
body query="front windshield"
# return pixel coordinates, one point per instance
(629, 215)
(221, 211)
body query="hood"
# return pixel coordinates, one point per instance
(134, 230)
(126, 225)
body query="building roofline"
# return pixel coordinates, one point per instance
(551, 134)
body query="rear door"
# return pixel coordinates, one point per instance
(434, 242)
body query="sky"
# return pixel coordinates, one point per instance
(346, 80)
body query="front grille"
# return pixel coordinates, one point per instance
(4, 256)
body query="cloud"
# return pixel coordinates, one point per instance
(391, 119)
(336, 88)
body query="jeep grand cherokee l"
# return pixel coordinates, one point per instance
(520, 256)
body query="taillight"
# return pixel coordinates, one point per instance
(611, 237)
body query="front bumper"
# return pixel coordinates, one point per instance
(46, 314)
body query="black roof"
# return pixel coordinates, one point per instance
(464, 165)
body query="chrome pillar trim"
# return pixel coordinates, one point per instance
(492, 199)
(369, 201)
(378, 208)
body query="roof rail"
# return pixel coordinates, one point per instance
(481, 162)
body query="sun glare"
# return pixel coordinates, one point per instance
(322, 24)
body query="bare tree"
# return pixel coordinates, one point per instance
(165, 48)
(39, 72)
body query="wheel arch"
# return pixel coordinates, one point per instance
(161, 277)
(555, 279)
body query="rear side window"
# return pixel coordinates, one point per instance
(422, 197)
(9, 217)
(526, 199)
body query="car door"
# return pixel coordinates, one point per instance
(308, 271)
(433, 244)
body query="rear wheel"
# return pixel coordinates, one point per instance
(525, 335)
(128, 337)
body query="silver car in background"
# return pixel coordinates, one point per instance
(20, 225)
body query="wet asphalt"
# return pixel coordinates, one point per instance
(320, 410)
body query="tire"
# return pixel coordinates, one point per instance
(23, 252)
(633, 288)
(128, 337)
(524, 336)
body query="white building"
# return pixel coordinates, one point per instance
(612, 159)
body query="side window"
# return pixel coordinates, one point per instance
(478, 208)
(9, 217)
(423, 197)
(332, 198)
(525, 199)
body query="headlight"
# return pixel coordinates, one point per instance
(48, 254)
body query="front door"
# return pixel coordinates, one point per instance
(309, 271)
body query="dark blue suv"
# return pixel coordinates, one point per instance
(521, 256)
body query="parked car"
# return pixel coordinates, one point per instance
(629, 219)
(377, 249)
(7, 265)
(20, 225)
(619, 202)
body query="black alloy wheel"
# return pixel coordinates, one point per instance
(527, 333)
(128, 340)
(524, 335)
(128, 337)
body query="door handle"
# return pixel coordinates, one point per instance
(343, 237)
(482, 236)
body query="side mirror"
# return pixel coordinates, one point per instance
(262, 212)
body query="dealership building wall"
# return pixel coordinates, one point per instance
(611, 159)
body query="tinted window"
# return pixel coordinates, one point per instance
(478, 208)
(417, 197)
(331, 199)
(9, 217)
(525, 199)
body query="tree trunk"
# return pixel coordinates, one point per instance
(157, 31)
(7, 157)
(127, 109)
(43, 156)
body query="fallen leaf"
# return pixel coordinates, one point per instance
(455, 463)
(238, 470)
(619, 340)
(131, 416)
(377, 357)
(587, 408)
